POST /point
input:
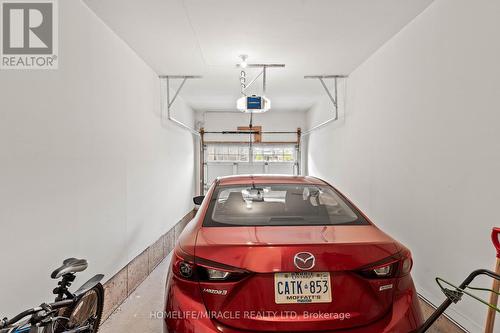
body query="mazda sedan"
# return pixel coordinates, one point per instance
(289, 254)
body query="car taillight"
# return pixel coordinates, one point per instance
(407, 265)
(183, 265)
(187, 267)
(395, 266)
(384, 271)
(214, 274)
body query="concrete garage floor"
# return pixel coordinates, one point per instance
(134, 315)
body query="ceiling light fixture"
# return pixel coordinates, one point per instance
(243, 63)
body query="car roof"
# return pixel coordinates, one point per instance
(268, 179)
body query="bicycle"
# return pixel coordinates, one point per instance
(78, 312)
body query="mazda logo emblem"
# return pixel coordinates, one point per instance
(304, 261)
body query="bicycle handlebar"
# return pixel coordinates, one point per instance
(30, 312)
(7, 322)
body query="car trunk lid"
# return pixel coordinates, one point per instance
(265, 251)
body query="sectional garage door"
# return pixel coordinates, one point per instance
(224, 159)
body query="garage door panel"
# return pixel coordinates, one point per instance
(281, 168)
(214, 170)
(250, 168)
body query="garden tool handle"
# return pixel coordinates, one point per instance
(490, 318)
(495, 233)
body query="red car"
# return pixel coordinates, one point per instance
(289, 254)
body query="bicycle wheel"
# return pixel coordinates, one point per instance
(86, 312)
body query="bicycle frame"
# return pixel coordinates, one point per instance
(35, 324)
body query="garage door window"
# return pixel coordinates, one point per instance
(241, 153)
(274, 154)
(227, 153)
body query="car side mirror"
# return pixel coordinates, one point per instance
(198, 200)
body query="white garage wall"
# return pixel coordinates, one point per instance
(86, 168)
(418, 148)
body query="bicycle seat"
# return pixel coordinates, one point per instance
(70, 265)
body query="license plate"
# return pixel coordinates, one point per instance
(303, 287)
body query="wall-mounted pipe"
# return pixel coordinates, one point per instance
(312, 129)
(166, 102)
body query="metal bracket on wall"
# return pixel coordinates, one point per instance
(166, 101)
(332, 96)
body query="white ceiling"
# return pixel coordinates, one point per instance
(205, 37)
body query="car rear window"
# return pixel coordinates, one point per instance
(279, 205)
